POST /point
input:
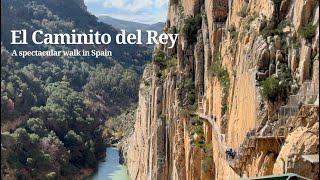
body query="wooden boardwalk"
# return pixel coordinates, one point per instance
(244, 151)
(221, 143)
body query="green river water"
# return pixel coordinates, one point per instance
(109, 167)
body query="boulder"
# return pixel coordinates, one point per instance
(279, 57)
(305, 63)
(277, 42)
(264, 59)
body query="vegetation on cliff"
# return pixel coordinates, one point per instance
(191, 27)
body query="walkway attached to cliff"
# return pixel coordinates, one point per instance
(219, 137)
(308, 92)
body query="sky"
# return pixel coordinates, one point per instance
(143, 11)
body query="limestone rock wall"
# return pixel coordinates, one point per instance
(217, 73)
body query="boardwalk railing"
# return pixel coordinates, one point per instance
(307, 94)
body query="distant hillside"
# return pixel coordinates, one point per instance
(132, 26)
(129, 25)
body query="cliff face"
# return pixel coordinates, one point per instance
(237, 78)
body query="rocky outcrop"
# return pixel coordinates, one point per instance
(210, 92)
(303, 140)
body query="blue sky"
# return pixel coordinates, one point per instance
(143, 11)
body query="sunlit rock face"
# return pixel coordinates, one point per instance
(218, 72)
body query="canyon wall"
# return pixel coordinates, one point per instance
(243, 76)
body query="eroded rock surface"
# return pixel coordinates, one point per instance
(206, 95)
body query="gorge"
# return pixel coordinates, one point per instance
(234, 94)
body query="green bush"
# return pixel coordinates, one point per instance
(159, 57)
(233, 32)
(308, 31)
(191, 27)
(273, 89)
(164, 63)
(171, 62)
(200, 144)
(196, 127)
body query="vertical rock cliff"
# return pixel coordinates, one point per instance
(236, 97)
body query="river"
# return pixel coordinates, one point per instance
(109, 167)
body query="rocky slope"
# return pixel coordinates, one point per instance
(244, 75)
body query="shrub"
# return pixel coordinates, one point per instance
(191, 27)
(224, 107)
(273, 89)
(159, 74)
(159, 57)
(162, 61)
(171, 62)
(308, 31)
(196, 128)
(200, 144)
(233, 32)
